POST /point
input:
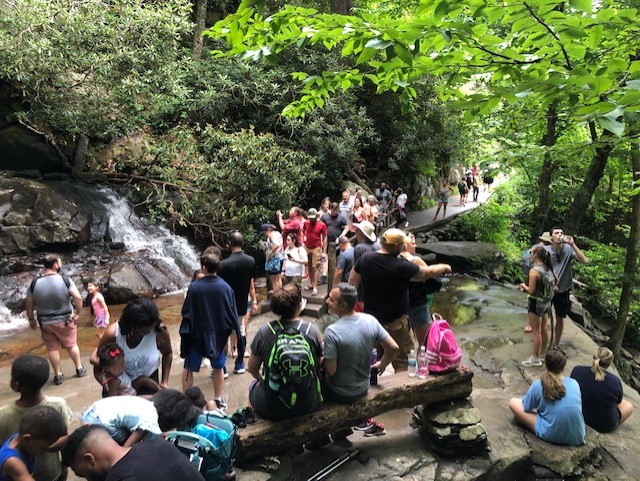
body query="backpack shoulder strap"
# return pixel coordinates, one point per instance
(300, 328)
(65, 278)
(276, 327)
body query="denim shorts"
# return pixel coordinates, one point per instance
(419, 316)
(193, 360)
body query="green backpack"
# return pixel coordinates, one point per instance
(291, 371)
(548, 283)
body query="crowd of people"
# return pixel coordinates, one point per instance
(379, 290)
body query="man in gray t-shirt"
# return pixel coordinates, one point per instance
(347, 347)
(563, 250)
(51, 295)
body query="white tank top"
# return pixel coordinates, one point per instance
(144, 359)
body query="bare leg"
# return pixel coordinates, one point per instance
(313, 276)
(626, 410)
(218, 381)
(437, 211)
(187, 379)
(444, 210)
(74, 354)
(421, 334)
(544, 336)
(276, 281)
(526, 419)
(534, 322)
(54, 358)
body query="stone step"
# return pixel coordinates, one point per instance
(316, 307)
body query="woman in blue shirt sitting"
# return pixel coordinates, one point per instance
(552, 407)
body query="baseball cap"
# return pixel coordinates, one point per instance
(266, 227)
(312, 213)
(394, 237)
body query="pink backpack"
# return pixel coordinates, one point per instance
(443, 353)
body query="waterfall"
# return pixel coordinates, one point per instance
(139, 235)
(117, 236)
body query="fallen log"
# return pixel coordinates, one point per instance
(392, 392)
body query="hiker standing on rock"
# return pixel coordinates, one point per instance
(563, 250)
(51, 295)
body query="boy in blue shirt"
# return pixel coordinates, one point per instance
(39, 429)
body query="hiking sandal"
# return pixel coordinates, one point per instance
(238, 419)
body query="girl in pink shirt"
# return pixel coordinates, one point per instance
(99, 307)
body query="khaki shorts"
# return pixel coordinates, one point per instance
(314, 256)
(60, 334)
(400, 331)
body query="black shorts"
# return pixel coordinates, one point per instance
(562, 304)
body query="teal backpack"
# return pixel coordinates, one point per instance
(211, 445)
(290, 374)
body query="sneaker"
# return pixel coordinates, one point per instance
(303, 304)
(532, 362)
(225, 373)
(81, 372)
(239, 369)
(376, 430)
(314, 292)
(206, 362)
(221, 404)
(323, 280)
(58, 379)
(363, 426)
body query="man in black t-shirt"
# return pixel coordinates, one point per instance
(337, 225)
(385, 282)
(238, 270)
(94, 455)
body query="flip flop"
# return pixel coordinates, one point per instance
(528, 328)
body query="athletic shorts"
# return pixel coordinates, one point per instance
(539, 308)
(419, 316)
(60, 334)
(562, 304)
(193, 360)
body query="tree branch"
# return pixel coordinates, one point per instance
(553, 34)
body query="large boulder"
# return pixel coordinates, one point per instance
(476, 257)
(24, 150)
(36, 218)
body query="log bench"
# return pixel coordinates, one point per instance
(392, 392)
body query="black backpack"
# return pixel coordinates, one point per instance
(291, 371)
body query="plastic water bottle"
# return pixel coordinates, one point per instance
(413, 364)
(373, 380)
(423, 370)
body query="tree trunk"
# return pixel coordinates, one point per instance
(392, 392)
(592, 178)
(200, 19)
(343, 7)
(80, 153)
(631, 260)
(548, 168)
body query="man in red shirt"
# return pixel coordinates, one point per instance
(316, 243)
(292, 225)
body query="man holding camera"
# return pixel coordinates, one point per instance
(563, 250)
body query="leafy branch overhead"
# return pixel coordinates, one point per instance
(498, 52)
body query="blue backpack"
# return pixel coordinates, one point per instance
(211, 445)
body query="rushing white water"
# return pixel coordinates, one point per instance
(10, 322)
(140, 236)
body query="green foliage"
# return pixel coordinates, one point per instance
(603, 289)
(94, 67)
(544, 50)
(211, 181)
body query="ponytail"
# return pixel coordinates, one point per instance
(551, 378)
(601, 361)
